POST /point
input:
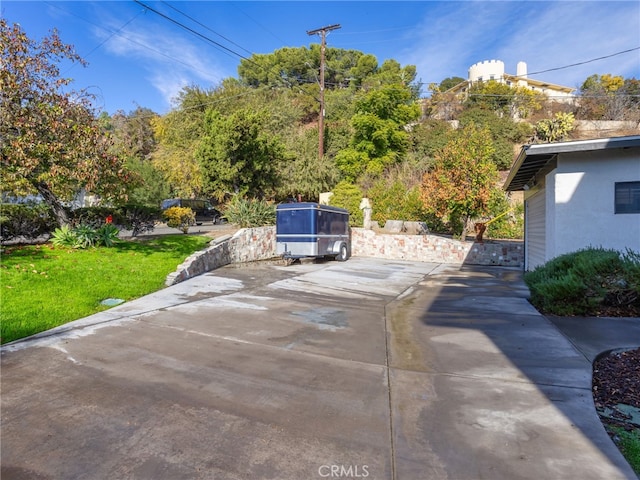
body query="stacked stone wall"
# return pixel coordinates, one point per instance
(246, 245)
(435, 248)
(256, 244)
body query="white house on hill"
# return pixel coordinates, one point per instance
(578, 194)
(494, 70)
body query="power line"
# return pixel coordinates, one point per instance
(206, 27)
(117, 33)
(586, 61)
(192, 31)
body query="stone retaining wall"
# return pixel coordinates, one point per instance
(435, 248)
(254, 244)
(246, 245)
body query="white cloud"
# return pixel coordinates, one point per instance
(545, 35)
(560, 34)
(171, 61)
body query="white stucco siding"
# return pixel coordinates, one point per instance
(584, 187)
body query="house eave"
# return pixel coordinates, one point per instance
(532, 159)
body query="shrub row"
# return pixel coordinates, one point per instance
(593, 281)
(25, 220)
(34, 220)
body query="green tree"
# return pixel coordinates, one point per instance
(393, 199)
(449, 83)
(460, 183)
(50, 141)
(238, 156)
(178, 134)
(503, 99)
(428, 137)
(491, 95)
(379, 136)
(133, 134)
(134, 140)
(348, 196)
(305, 174)
(505, 133)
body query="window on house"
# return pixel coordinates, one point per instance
(627, 197)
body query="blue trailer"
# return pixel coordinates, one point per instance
(312, 230)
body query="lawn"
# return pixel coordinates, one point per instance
(42, 286)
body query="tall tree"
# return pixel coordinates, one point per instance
(238, 155)
(379, 135)
(50, 140)
(450, 82)
(306, 175)
(462, 179)
(178, 134)
(133, 133)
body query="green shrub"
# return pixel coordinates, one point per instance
(139, 218)
(348, 196)
(249, 213)
(94, 216)
(25, 220)
(180, 217)
(592, 281)
(509, 217)
(392, 200)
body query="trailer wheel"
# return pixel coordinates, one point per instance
(343, 253)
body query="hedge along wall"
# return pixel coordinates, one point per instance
(255, 244)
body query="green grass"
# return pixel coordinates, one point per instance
(629, 445)
(42, 286)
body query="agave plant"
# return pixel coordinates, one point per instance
(107, 235)
(64, 237)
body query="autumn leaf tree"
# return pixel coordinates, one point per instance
(51, 143)
(178, 134)
(609, 97)
(462, 179)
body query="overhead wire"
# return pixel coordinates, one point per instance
(204, 37)
(206, 27)
(119, 34)
(192, 31)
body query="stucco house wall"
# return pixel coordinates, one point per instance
(569, 191)
(582, 212)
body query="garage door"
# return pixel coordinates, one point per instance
(535, 231)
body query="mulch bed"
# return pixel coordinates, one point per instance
(616, 380)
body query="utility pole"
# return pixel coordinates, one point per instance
(323, 35)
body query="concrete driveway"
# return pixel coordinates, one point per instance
(365, 369)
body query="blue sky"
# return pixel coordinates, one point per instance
(137, 58)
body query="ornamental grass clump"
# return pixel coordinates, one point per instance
(250, 213)
(592, 281)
